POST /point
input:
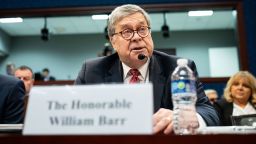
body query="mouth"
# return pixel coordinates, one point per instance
(137, 49)
(240, 94)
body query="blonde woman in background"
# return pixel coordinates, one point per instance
(239, 97)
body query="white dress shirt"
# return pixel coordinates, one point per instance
(144, 77)
(248, 109)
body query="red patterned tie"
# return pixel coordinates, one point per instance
(135, 76)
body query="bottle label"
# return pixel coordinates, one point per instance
(183, 86)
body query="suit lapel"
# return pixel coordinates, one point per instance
(115, 73)
(157, 78)
(228, 112)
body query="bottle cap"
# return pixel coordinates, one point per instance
(182, 62)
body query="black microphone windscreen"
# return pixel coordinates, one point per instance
(141, 56)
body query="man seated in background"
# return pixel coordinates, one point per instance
(46, 75)
(12, 93)
(10, 68)
(25, 74)
(212, 95)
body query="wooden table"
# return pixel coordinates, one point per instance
(129, 139)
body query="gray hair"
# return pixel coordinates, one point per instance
(122, 11)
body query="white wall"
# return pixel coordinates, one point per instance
(223, 61)
(195, 44)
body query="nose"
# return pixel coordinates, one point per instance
(240, 86)
(136, 36)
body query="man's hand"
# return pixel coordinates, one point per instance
(188, 120)
(162, 121)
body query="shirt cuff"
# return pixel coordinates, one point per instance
(201, 121)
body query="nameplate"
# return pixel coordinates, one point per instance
(90, 110)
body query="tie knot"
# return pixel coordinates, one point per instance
(135, 76)
(134, 72)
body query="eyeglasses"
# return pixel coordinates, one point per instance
(129, 33)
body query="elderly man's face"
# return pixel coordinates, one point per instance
(128, 50)
(212, 97)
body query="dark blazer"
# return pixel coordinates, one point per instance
(50, 78)
(12, 93)
(109, 69)
(225, 111)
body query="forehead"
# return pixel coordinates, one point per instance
(23, 72)
(132, 20)
(243, 80)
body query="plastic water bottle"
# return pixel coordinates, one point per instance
(183, 96)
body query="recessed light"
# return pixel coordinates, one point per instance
(100, 17)
(200, 13)
(11, 20)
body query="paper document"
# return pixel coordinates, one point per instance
(228, 130)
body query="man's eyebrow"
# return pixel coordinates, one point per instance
(122, 26)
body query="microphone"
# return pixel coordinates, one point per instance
(141, 56)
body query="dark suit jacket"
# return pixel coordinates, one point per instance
(12, 93)
(109, 69)
(50, 78)
(225, 111)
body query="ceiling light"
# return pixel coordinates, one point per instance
(200, 13)
(11, 20)
(100, 17)
(234, 13)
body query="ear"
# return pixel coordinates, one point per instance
(112, 41)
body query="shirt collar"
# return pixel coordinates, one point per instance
(143, 70)
(248, 109)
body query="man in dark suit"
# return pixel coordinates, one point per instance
(130, 35)
(12, 93)
(25, 74)
(46, 75)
